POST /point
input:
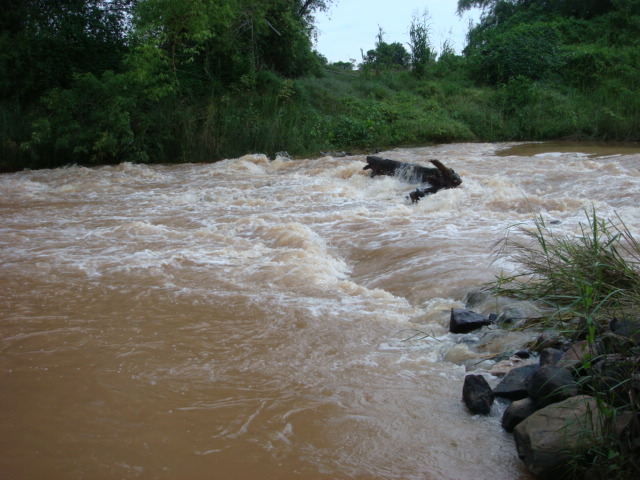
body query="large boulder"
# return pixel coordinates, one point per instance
(551, 384)
(477, 394)
(464, 321)
(515, 384)
(550, 437)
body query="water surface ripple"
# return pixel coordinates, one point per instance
(246, 318)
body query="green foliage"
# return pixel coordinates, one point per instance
(538, 38)
(595, 271)
(526, 50)
(575, 8)
(349, 66)
(171, 80)
(586, 66)
(386, 55)
(43, 44)
(91, 121)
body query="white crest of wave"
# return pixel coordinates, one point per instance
(21, 187)
(257, 164)
(296, 256)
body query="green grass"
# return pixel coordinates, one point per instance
(592, 273)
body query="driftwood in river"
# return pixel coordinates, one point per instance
(438, 178)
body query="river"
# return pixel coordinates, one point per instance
(250, 318)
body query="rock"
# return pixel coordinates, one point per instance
(520, 310)
(478, 298)
(477, 394)
(545, 340)
(623, 426)
(613, 343)
(503, 367)
(582, 327)
(612, 376)
(551, 436)
(577, 355)
(517, 412)
(626, 328)
(463, 320)
(550, 356)
(335, 154)
(507, 309)
(515, 385)
(551, 384)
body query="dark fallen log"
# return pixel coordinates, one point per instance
(438, 178)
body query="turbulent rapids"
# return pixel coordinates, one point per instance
(249, 318)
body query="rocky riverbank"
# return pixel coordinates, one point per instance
(571, 397)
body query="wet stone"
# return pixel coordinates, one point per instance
(477, 394)
(577, 355)
(515, 384)
(550, 356)
(517, 412)
(551, 384)
(463, 320)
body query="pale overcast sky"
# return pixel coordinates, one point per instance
(353, 24)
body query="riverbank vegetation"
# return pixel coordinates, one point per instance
(591, 281)
(106, 81)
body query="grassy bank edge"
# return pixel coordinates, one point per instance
(265, 113)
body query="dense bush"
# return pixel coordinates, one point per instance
(526, 50)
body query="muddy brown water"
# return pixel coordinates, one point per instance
(249, 318)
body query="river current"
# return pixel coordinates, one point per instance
(251, 318)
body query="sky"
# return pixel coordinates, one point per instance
(351, 25)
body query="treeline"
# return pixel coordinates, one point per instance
(105, 81)
(140, 80)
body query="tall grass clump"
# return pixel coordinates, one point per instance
(594, 272)
(591, 280)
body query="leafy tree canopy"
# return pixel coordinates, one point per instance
(538, 38)
(386, 55)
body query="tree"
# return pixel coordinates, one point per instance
(567, 8)
(386, 55)
(349, 66)
(420, 44)
(43, 43)
(526, 50)
(222, 40)
(464, 5)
